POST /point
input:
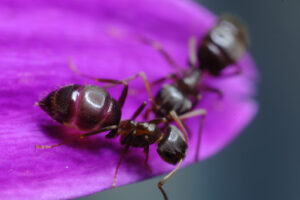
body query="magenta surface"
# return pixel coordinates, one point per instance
(36, 40)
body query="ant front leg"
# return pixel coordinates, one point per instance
(193, 52)
(195, 113)
(162, 51)
(139, 110)
(175, 117)
(161, 80)
(146, 152)
(79, 137)
(119, 163)
(166, 178)
(103, 80)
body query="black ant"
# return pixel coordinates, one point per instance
(90, 108)
(222, 46)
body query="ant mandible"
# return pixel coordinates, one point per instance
(90, 108)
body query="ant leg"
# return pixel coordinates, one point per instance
(158, 120)
(104, 80)
(79, 137)
(212, 90)
(147, 86)
(166, 178)
(198, 97)
(186, 127)
(146, 114)
(202, 113)
(199, 138)
(125, 89)
(49, 146)
(193, 52)
(158, 81)
(139, 110)
(119, 163)
(194, 113)
(175, 117)
(146, 152)
(123, 95)
(162, 51)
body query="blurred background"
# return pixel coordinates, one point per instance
(264, 161)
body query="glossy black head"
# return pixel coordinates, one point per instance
(223, 45)
(173, 146)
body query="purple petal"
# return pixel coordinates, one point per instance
(36, 40)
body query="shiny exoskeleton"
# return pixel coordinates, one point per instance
(86, 108)
(225, 43)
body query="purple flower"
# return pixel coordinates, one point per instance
(36, 40)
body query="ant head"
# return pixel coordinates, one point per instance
(172, 147)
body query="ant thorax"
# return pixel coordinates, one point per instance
(138, 134)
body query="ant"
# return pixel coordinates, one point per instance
(222, 46)
(91, 109)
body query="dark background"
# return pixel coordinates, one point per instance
(264, 162)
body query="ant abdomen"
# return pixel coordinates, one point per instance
(172, 148)
(223, 45)
(84, 107)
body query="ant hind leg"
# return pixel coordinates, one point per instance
(119, 164)
(195, 113)
(177, 119)
(166, 178)
(156, 45)
(193, 52)
(79, 137)
(146, 152)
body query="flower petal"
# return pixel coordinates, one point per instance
(38, 38)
